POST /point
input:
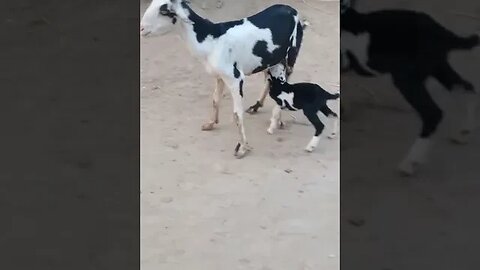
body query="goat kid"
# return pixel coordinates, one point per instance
(232, 50)
(308, 97)
(411, 47)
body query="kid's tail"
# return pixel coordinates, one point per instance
(304, 23)
(467, 43)
(333, 96)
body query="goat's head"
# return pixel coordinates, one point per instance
(346, 4)
(159, 17)
(351, 20)
(277, 72)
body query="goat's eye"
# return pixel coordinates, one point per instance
(164, 10)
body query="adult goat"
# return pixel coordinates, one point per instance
(232, 50)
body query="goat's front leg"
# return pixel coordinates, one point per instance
(275, 120)
(236, 89)
(217, 95)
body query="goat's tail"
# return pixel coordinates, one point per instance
(333, 96)
(467, 43)
(304, 23)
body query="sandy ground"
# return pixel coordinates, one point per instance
(278, 208)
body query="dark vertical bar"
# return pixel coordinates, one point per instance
(69, 141)
(426, 220)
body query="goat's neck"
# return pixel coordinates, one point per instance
(188, 18)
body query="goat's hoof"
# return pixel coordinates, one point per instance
(408, 168)
(462, 137)
(254, 108)
(241, 150)
(332, 136)
(281, 125)
(309, 148)
(208, 126)
(270, 131)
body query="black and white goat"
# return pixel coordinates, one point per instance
(411, 47)
(232, 50)
(308, 97)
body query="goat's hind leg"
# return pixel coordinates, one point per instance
(449, 78)
(312, 116)
(431, 115)
(333, 121)
(217, 95)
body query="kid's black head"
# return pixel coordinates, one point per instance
(350, 19)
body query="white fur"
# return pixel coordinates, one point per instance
(286, 97)
(236, 45)
(334, 123)
(279, 71)
(312, 144)
(152, 24)
(275, 120)
(416, 156)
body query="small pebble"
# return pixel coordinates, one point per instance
(244, 261)
(357, 222)
(288, 171)
(172, 145)
(167, 200)
(219, 168)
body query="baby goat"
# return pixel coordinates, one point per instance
(410, 47)
(308, 97)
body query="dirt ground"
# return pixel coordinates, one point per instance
(201, 208)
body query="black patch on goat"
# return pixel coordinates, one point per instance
(241, 88)
(280, 34)
(203, 27)
(164, 11)
(236, 72)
